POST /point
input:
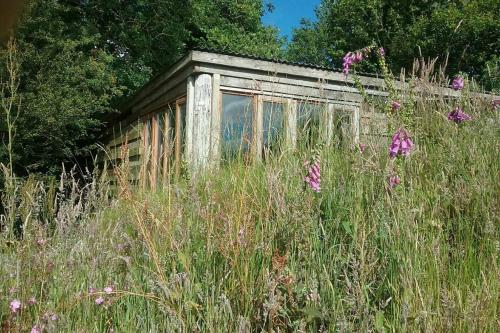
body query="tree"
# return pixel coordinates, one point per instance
(233, 26)
(467, 33)
(80, 59)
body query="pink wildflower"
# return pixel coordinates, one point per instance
(36, 329)
(108, 290)
(362, 147)
(458, 116)
(401, 144)
(99, 300)
(53, 317)
(32, 301)
(458, 83)
(313, 178)
(395, 106)
(381, 51)
(15, 305)
(351, 58)
(92, 290)
(394, 181)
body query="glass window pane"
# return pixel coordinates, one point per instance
(273, 125)
(342, 127)
(236, 125)
(310, 123)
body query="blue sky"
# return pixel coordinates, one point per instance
(287, 14)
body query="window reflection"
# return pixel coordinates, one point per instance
(342, 128)
(273, 126)
(311, 118)
(236, 125)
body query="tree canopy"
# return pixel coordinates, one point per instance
(465, 34)
(79, 59)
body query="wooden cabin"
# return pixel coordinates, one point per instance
(211, 107)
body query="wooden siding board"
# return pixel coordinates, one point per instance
(299, 92)
(154, 96)
(273, 82)
(159, 81)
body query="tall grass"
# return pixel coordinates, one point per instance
(249, 248)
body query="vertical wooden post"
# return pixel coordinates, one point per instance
(291, 123)
(166, 145)
(145, 153)
(355, 126)
(189, 120)
(178, 139)
(259, 126)
(215, 130)
(154, 151)
(201, 121)
(329, 124)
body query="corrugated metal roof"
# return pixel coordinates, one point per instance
(257, 57)
(276, 60)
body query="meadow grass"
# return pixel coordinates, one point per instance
(250, 248)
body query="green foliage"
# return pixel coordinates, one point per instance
(235, 26)
(463, 34)
(81, 59)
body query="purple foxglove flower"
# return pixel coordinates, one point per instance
(458, 116)
(458, 83)
(395, 105)
(358, 57)
(349, 59)
(313, 177)
(401, 144)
